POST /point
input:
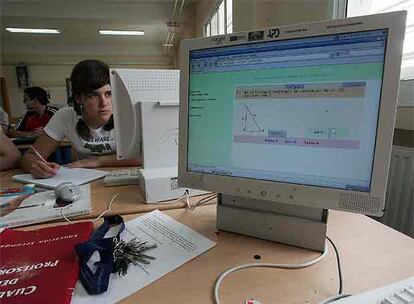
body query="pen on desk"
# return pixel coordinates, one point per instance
(38, 154)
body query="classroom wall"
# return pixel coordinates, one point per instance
(405, 113)
(51, 63)
(202, 11)
(404, 127)
(51, 57)
(251, 14)
(405, 118)
(266, 13)
(50, 72)
(186, 29)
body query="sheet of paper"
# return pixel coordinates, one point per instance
(78, 176)
(177, 244)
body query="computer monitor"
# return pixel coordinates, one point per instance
(290, 116)
(145, 106)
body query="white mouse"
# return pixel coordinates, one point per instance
(67, 193)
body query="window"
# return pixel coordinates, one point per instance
(221, 20)
(366, 7)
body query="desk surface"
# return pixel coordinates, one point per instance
(372, 255)
(129, 201)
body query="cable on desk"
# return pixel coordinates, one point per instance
(340, 294)
(64, 216)
(186, 195)
(338, 260)
(201, 201)
(102, 214)
(283, 266)
(108, 209)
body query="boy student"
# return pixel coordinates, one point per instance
(37, 116)
(88, 125)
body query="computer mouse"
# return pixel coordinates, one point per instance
(67, 193)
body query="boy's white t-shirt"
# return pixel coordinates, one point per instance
(63, 125)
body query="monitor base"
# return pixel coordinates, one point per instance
(160, 184)
(293, 225)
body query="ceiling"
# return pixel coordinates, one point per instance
(79, 22)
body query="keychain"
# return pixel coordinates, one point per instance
(115, 255)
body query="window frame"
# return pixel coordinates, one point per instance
(341, 9)
(207, 29)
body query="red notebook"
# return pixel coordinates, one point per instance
(40, 266)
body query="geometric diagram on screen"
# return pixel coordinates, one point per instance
(249, 121)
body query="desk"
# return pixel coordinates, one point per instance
(129, 200)
(372, 255)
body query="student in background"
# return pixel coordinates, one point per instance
(37, 116)
(88, 125)
(9, 155)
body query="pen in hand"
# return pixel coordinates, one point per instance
(38, 154)
(46, 170)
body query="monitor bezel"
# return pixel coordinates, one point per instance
(297, 194)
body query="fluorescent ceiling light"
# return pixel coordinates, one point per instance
(121, 33)
(32, 30)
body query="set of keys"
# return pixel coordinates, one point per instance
(132, 252)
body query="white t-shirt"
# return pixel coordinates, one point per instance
(63, 125)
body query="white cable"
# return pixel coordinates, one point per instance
(187, 200)
(283, 266)
(102, 214)
(109, 207)
(64, 216)
(174, 201)
(200, 202)
(205, 200)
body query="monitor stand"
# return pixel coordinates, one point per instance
(293, 225)
(160, 184)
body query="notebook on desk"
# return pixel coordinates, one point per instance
(41, 207)
(78, 176)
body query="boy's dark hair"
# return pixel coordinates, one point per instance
(37, 93)
(88, 76)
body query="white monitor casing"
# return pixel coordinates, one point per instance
(145, 106)
(145, 111)
(295, 194)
